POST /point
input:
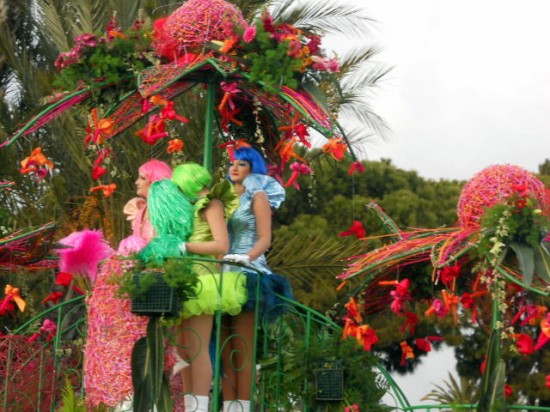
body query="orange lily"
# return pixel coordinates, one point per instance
(13, 294)
(107, 189)
(102, 128)
(337, 147)
(175, 145)
(36, 162)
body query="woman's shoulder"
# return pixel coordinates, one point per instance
(256, 183)
(222, 194)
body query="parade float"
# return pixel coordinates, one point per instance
(262, 83)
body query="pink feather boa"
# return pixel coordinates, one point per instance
(86, 249)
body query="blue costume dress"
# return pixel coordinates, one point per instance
(243, 235)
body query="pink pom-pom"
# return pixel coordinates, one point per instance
(86, 249)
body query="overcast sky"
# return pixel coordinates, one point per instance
(470, 85)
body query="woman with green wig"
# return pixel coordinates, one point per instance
(189, 216)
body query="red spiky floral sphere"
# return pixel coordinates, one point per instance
(493, 185)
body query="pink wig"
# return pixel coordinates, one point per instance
(155, 170)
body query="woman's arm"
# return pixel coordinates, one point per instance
(214, 215)
(262, 212)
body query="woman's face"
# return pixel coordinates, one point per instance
(142, 186)
(238, 170)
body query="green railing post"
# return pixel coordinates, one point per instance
(209, 125)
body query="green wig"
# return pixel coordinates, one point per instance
(191, 178)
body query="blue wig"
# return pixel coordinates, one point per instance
(254, 158)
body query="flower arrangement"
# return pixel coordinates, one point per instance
(517, 224)
(276, 54)
(111, 58)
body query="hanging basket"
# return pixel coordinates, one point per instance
(159, 300)
(329, 381)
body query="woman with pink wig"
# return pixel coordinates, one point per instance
(112, 328)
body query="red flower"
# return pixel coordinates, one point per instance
(521, 203)
(356, 167)
(508, 390)
(423, 344)
(356, 229)
(525, 344)
(548, 381)
(449, 274)
(521, 189)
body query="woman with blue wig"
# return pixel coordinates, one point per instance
(249, 239)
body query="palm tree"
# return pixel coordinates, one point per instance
(463, 392)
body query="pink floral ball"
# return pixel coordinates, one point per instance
(200, 21)
(494, 184)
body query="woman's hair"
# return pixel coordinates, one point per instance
(155, 170)
(191, 178)
(257, 163)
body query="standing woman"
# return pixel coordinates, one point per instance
(112, 328)
(250, 237)
(211, 206)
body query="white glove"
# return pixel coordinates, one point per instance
(238, 258)
(182, 248)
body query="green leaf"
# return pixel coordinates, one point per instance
(488, 387)
(542, 263)
(140, 376)
(526, 258)
(316, 93)
(155, 343)
(165, 401)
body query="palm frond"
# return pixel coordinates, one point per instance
(54, 25)
(322, 17)
(351, 59)
(311, 263)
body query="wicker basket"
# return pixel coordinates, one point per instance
(159, 300)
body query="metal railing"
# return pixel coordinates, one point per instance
(33, 373)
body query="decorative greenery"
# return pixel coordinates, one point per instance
(521, 226)
(361, 385)
(178, 274)
(109, 59)
(277, 54)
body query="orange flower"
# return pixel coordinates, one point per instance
(336, 147)
(175, 145)
(106, 189)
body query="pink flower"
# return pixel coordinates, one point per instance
(294, 48)
(249, 34)
(320, 63)
(440, 308)
(314, 43)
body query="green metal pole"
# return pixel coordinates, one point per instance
(209, 125)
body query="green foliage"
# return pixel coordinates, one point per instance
(151, 387)
(177, 273)
(269, 60)
(460, 392)
(69, 402)
(98, 60)
(361, 384)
